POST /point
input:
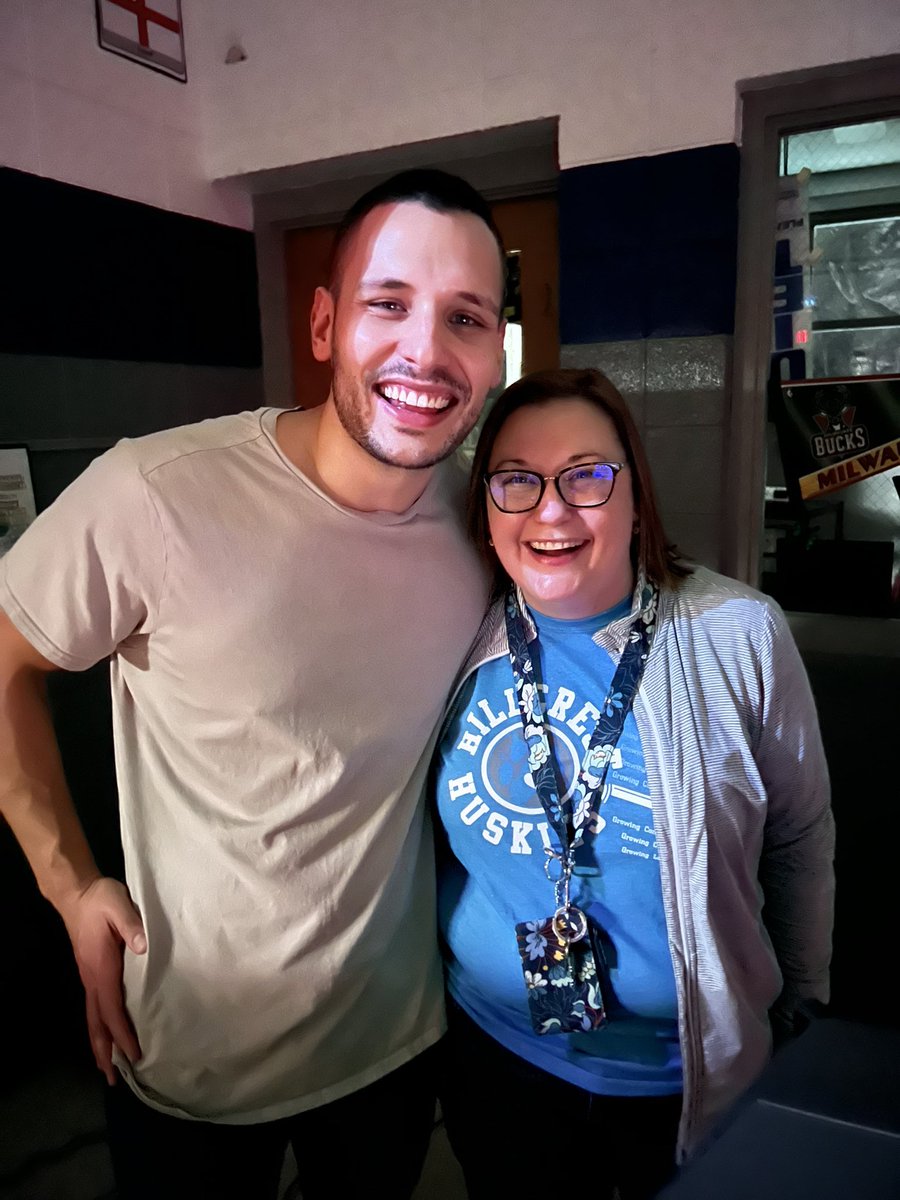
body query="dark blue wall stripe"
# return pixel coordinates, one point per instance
(94, 276)
(648, 246)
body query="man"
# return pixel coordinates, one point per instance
(285, 597)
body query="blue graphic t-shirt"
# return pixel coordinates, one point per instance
(495, 876)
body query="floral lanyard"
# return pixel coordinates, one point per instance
(569, 922)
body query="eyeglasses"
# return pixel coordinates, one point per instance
(587, 485)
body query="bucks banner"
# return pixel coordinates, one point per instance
(835, 432)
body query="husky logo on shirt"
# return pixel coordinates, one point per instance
(498, 791)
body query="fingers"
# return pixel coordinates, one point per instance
(110, 998)
(109, 1025)
(102, 921)
(101, 1042)
(123, 1035)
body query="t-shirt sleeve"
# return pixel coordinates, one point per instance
(89, 572)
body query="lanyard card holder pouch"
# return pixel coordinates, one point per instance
(561, 977)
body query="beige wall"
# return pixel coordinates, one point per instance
(73, 112)
(322, 80)
(626, 79)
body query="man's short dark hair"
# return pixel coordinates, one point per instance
(437, 190)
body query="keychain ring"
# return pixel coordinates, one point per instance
(567, 918)
(553, 857)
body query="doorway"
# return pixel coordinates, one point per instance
(852, 660)
(831, 537)
(775, 110)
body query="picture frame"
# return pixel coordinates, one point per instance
(17, 504)
(152, 35)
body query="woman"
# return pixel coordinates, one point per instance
(609, 970)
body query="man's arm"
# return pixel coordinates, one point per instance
(34, 799)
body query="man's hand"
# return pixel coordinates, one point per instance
(100, 923)
(35, 800)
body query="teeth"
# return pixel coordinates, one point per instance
(554, 545)
(402, 395)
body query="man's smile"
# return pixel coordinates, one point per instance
(408, 397)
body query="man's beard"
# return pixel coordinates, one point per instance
(351, 402)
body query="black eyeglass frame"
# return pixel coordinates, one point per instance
(545, 479)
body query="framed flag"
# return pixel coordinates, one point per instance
(148, 33)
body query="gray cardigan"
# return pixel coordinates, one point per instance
(741, 809)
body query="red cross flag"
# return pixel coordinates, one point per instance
(149, 33)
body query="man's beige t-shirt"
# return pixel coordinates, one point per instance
(279, 664)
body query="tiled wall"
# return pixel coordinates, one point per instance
(676, 389)
(647, 284)
(67, 410)
(46, 397)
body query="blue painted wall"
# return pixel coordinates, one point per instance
(648, 246)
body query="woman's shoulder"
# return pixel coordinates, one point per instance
(703, 584)
(709, 596)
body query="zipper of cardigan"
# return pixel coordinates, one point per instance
(692, 1051)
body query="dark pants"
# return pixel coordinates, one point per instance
(371, 1143)
(519, 1131)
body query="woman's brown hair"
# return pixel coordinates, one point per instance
(651, 551)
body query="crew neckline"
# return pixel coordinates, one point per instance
(268, 423)
(578, 625)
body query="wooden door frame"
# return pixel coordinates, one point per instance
(511, 161)
(770, 108)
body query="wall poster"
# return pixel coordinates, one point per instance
(834, 432)
(17, 507)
